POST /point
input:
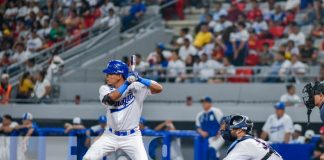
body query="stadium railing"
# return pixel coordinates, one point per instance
(288, 151)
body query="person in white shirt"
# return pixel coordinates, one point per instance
(92, 3)
(297, 137)
(297, 67)
(54, 69)
(219, 11)
(141, 66)
(112, 19)
(206, 68)
(22, 10)
(297, 36)
(11, 11)
(106, 7)
(33, 8)
(34, 44)
(259, 25)
(222, 24)
(239, 41)
(290, 98)
(278, 126)
(42, 88)
(21, 55)
(45, 30)
(176, 68)
(187, 49)
(184, 33)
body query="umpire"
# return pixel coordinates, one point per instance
(313, 96)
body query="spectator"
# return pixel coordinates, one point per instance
(239, 41)
(222, 24)
(208, 125)
(42, 88)
(31, 67)
(203, 37)
(295, 35)
(141, 66)
(5, 89)
(218, 12)
(96, 130)
(203, 17)
(57, 32)
(25, 87)
(184, 33)
(228, 68)
(234, 12)
(297, 137)
(8, 125)
(279, 68)
(45, 30)
(54, 69)
(34, 44)
(176, 68)
(260, 26)
(210, 22)
(136, 12)
(308, 52)
(266, 55)
(21, 54)
(319, 148)
(5, 60)
(298, 68)
(187, 49)
(278, 15)
(160, 49)
(175, 149)
(111, 19)
(290, 98)
(106, 7)
(206, 68)
(255, 12)
(278, 126)
(189, 62)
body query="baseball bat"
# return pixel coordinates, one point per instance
(133, 62)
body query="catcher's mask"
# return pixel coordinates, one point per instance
(309, 91)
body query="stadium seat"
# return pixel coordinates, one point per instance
(242, 75)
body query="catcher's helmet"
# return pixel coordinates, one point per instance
(241, 122)
(117, 67)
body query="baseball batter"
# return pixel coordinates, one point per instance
(237, 129)
(123, 97)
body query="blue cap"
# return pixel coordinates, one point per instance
(160, 45)
(102, 119)
(142, 120)
(280, 105)
(206, 99)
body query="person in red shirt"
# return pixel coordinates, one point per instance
(5, 89)
(255, 12)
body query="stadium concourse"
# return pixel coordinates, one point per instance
(214, 58)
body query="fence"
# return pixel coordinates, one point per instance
(288, 151)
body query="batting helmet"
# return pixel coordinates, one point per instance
(241, 122)
(117, 67)
(102, 119)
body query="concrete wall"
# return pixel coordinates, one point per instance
(254, 92)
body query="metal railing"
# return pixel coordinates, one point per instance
(193, 74)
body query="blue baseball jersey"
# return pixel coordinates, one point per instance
(209, 121)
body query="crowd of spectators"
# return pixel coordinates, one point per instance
(30, 26)
(287, 37)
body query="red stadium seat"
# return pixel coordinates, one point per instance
(242, 76)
